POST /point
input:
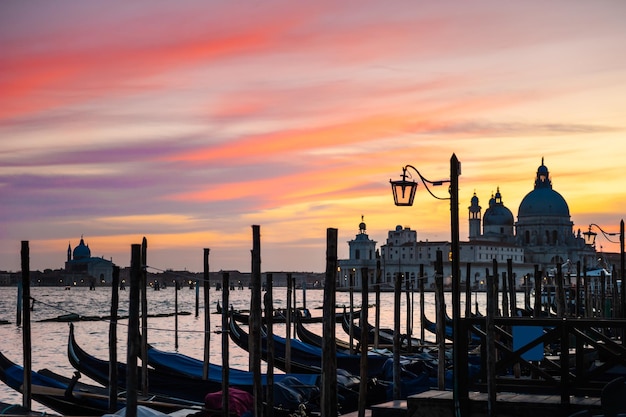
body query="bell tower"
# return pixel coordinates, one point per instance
(474, 218)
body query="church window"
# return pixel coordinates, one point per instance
(357, 254)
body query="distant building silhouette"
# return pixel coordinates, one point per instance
(83, 269)
(543, 235)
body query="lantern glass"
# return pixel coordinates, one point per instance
(590, 237)
(403, 192)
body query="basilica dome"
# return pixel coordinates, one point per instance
(81, 251)
(543, 200)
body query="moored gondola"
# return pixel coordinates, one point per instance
(279, 315)
(67, 396)
(308, 358)
(159, 382)
(314, 339)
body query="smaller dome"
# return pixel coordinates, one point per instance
(497, 214)
(81, 251)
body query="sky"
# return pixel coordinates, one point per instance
(188, 122)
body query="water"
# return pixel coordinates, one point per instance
(49, 339)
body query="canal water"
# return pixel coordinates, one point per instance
(49, 339)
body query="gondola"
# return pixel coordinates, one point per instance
(385, 336)
(13, 376)
(67, 396)
(159, 382)
(347, 384)
(172, 381)
(279, 315)
(431, 326)
(314, 339)
(305, 357)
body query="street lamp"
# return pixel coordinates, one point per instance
(403, 195)
(590, 239)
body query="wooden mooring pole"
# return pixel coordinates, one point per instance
(396, 335)
(512, 290)
(225, 338)
(364, 342)
(206, 285)
(537, 282)
(176, 288)
(288, 328)
(422, 306)
(255, 322)
(133, 343)
(351, 315)
(329, 347)
(377, 296)
(144, 316)
(505, 295)
(468, 290)
(440, 322)
(409, 311)
(268, 307)
(26, 339)
(115, 300)
(492, 301)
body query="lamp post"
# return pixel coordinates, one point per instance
(590, 239)
(403, 195)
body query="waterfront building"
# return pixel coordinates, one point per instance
(83, 269)
(543, 236)
(363, 254)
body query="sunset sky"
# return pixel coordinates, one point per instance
(188, 122)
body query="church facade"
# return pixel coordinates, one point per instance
(83, 269)
(541, 237)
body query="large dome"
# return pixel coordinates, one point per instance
(81, 251)
(543, 200)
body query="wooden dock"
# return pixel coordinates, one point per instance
(435, 403)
